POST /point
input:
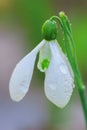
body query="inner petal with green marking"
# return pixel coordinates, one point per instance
(44, 57)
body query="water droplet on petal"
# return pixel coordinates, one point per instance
(73, 86)
(23, 84)
(63, 68)
(52, 87)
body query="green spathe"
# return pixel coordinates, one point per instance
(49, 30)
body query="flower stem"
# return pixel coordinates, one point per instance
(78, 80)
(82, 92)
(71, 54)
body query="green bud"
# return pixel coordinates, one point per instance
(49, 30)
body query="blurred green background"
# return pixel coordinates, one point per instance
(20, 31)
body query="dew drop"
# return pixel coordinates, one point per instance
(23, 84)
(66, 82)
(68, 91)
(73, 85)
(52, 87)
(63, 68)
(54, 96)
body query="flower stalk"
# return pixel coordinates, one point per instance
(71, 54)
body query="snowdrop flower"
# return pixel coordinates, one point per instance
(59, 78)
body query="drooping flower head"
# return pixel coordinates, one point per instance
(59, 78)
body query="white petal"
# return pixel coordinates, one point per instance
(44, 56)
(59, 80)
(22, 74)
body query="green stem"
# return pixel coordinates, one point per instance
(82, 94)
(79, 83)
(80, 86)
(73, 61)
(71, 53)
(82, 91)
